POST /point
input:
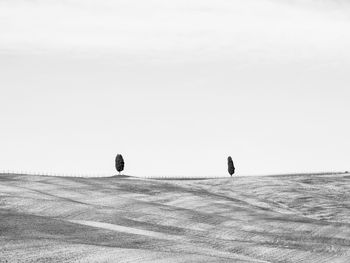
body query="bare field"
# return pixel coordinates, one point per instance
(299, 218)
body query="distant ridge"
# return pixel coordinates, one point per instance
(315, 173)
(225, 177)
(105, 175)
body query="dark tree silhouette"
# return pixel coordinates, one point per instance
(119, 163)
(231, 167)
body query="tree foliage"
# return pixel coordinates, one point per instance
(119, 163)
(231, 167)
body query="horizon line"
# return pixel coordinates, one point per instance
(87, 175)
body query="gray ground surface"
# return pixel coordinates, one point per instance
(300, 218)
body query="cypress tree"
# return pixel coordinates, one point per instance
(119, 163)
(231, 167)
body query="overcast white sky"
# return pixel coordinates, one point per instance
(175, 86)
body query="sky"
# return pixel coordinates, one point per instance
(174, 86)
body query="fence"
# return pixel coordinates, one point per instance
(184, 177)
(24, 172)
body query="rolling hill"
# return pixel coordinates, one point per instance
(290, 218)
